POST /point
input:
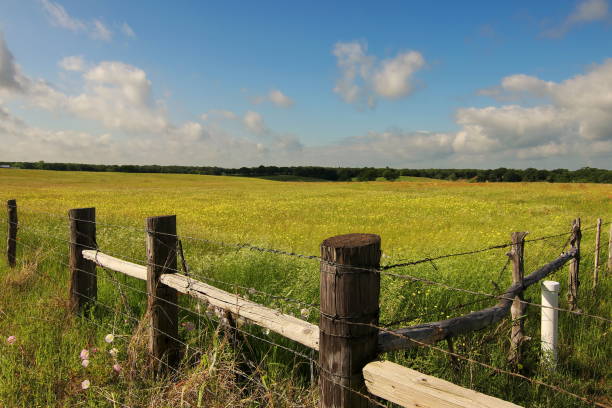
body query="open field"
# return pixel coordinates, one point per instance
(416, 219)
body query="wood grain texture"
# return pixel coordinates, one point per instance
(410, 388)
(83, 282)
(116, 264)
(286, 325)
(574, 267)
(349, 310)
(434, 332)
(162, 300)
(518, 309)
(11, 237)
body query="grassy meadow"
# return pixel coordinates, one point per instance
(416, 218)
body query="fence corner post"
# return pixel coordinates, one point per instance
(162, 300)
(11, 237)
(350, 292)
(518, 309)
(574, 267)
(83, 283)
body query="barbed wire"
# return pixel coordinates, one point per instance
(488, 366)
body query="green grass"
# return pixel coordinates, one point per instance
(415, 219)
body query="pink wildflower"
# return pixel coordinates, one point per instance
(117, 368)
(85, 384)
(84, 354)
(11, 339)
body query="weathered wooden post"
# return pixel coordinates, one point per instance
(518, 309)
(610, 250)
(596, 265)
(11, 237)
(162, 300)
(350, 291)
(574, 267)
(84, 282)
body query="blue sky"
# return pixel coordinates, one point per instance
(403, 84)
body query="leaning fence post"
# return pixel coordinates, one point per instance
(574, 267)
(162, 300)
(518, 309)
(11, 237)
(83, 283)
(350, 291)
(549, 330)
(596, 265)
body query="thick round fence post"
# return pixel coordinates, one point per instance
(350, 294)
(11, 236)
(84, 282)
(162, 300)
(549, 330)
(518, 309)
(574, 267)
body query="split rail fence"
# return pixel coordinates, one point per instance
(349, 338)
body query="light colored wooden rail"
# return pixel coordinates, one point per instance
(410, 388)
(286, 325)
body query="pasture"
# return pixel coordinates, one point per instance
(416, 219)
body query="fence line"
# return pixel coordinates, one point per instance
(333, 265)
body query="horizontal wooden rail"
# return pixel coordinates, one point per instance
(436, 331)
(288, 326)
(410, 388)
(116, 264)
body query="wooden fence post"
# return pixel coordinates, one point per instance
(162, 300)
(349, 314)
(84, 282)
(11, 237)
(518, 309)
(597, 243)
(574, 267)
(610, 250)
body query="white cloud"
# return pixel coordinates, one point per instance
(8, 69)
(363, 79)
(586, 11)
(276, 97)
(254, 122)
(59, 16)
(392, 79)
(576, 117)
(72, 63)
(127, 30)
(99, 31)
(96, 29)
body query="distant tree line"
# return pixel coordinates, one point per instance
(502, 174)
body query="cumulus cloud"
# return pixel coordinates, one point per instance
(73, 63)
(575, 116)
(364, 79)
(276, 97)
(96, 29)
(586, 11)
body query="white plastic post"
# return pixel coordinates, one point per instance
(550, 298)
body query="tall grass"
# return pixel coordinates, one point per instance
(415, 220)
